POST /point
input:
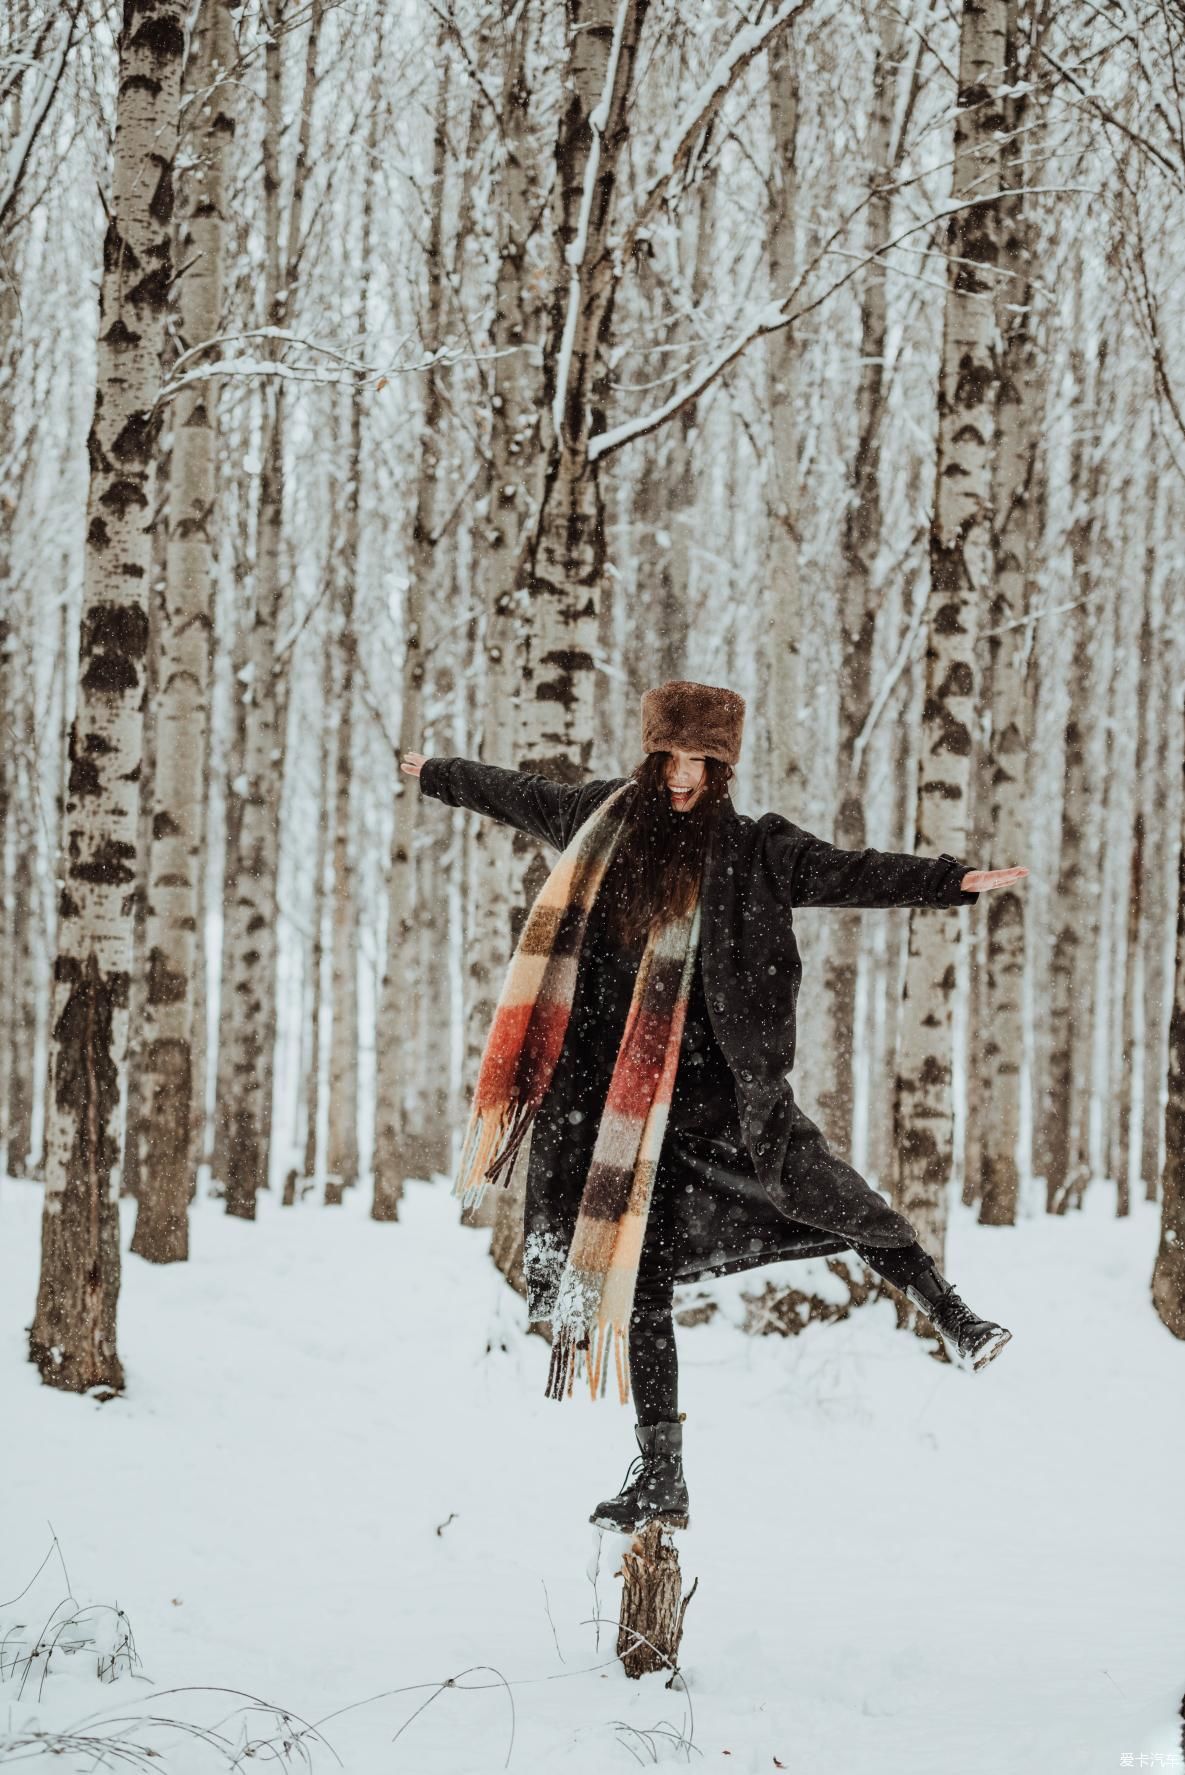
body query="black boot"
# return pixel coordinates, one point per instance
(970, 1343)
(654, 1488)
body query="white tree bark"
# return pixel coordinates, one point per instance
(833, 1102)
(398, 987)
(567, 550)
(960, 581)
(1063, 1132)
(319, 899)
(783, 772)
(512, 493)
(174, 951)
(997, 1049)
(250, 958)
(1168, 1275)
(73, 1339)
(341, 1162)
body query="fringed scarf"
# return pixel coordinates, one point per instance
(596, 1289)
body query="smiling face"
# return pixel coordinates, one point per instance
(686, 776)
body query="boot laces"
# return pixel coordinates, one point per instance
(957, 1315)
(636, 1469)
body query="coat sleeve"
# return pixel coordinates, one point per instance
(810, 872)
(548, 811)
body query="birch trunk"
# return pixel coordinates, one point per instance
(317, 941)
(21, 1007)
(976, 1059)
(341, 1160)
(398, 987)
(960, 580)
(512, 493)
(1064, 1118)
(567, 555)
(426, 1141)
(889, 960)
(1155, 975)
(8, 916)
(342, 1138)
(682, 488)
(1168, 1274)
(227, 1010)
(835, 1098)
(567, 551)
(1110, 1050)
(1131, 911)
(174, 951)
(997, 1040)
(251, 912)
(9, 758)
(129, 1159)
(73, 1338)
(784, 770)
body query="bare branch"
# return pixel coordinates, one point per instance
(699, 115)
(772, 316)
(21, 149)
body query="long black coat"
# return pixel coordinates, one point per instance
(756, 872)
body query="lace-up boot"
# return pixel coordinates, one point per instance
(654, 1489)
(970, 1342)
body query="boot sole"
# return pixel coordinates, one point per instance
(664, 1518)
(988, 1352)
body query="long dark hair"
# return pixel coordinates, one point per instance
(660, 855)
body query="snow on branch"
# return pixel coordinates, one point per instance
(333, 366)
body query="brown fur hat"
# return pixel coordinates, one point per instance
(693, 717)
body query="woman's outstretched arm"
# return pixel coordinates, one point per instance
(548, 811)
(811, 872)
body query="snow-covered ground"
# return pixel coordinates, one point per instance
(334, 1483)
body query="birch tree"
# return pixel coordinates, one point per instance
(342, 1139)
(786, 767)
(1015, 540)
(960, 578)
(1168, 1275)
(390, 1159)
(174, 952)
(511, 497)
(249, 970)
(858, 602)
(73, 1337)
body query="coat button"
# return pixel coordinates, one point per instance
(746, 1074)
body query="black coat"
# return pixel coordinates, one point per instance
(756, 872)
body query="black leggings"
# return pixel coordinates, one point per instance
(654, 1361)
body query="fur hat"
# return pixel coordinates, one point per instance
(694, 718)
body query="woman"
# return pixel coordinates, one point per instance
(644, 1039)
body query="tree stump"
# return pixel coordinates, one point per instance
(652, 1604)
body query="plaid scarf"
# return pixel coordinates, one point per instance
(596, 1288)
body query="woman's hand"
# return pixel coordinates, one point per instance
(976, 880)
(411, 762)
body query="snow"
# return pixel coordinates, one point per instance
(334, 1483)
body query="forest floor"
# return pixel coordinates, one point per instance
(334, 1483)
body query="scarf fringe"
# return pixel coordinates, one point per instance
(585, 1353)
(492, 1144)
